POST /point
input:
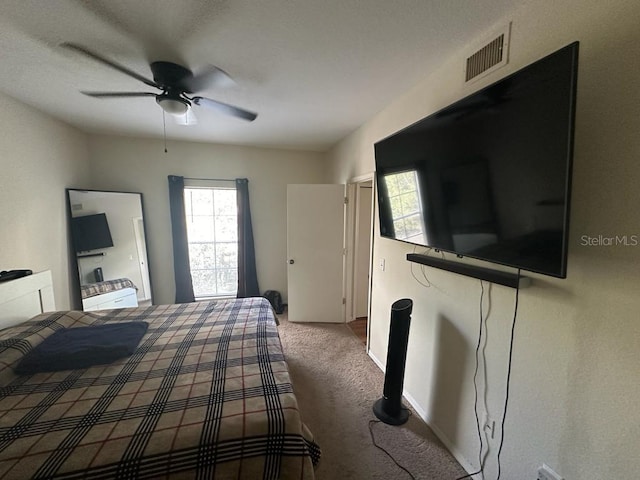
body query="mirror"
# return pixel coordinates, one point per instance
(109, 243)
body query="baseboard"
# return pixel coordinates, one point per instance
(376, 361)
(423, 415)
(441, 436)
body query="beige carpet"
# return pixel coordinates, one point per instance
(336, 384)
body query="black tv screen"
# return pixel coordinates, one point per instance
(488, 177)
(91, 232)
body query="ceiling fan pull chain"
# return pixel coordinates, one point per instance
(164, 131)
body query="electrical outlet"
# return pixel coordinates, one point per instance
(382, 264)
(545, 472)
(489, 425)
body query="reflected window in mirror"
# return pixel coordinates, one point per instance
(109, 244)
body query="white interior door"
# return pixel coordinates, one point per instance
(315, 249)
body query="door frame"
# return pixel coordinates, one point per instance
(351, 243)
(143, 256)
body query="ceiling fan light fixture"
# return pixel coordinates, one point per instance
(173, 105)
(175, 82)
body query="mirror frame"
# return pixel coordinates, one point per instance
(74, 267)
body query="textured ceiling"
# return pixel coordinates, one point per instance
(314, 70)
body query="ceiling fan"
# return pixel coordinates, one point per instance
(175, 82)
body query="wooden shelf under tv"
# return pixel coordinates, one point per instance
(507, 279)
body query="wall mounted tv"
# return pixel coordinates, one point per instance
(91, 232)
(489, 177)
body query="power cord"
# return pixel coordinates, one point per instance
(371, 422)
(427, 252)
(475, 385)
(469, 475)
(475, 388)
(428, 284)
(506, 396)
(475, 382)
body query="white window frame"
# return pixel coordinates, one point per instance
(209, 185)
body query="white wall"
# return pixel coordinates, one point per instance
(576, 376)
(39, 158)
(120, 163)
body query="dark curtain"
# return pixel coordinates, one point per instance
(247, 276)
(181, 268)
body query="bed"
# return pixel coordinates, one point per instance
(118, 293)
(206, 394)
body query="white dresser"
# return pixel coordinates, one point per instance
(123, 298)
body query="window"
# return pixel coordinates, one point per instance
(406, 206)
(212, 233)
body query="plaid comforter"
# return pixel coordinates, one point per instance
(207, 394)
(93, 289)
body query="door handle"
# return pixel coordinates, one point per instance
(291, 261)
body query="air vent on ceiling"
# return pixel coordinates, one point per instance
(76, 206)
(491, 56)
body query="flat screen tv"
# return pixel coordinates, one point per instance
(91, 232)
(489, 177)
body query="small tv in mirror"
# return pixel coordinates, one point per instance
(91, 232)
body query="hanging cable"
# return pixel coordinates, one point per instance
(506, 395)
(428, 284)
(475, 377)
(373, 440)
(475, 389)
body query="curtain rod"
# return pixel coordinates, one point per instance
(211, 179)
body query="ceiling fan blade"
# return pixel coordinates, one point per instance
(210, 76)
(119, 94)
(101, 59)
(225, 108)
